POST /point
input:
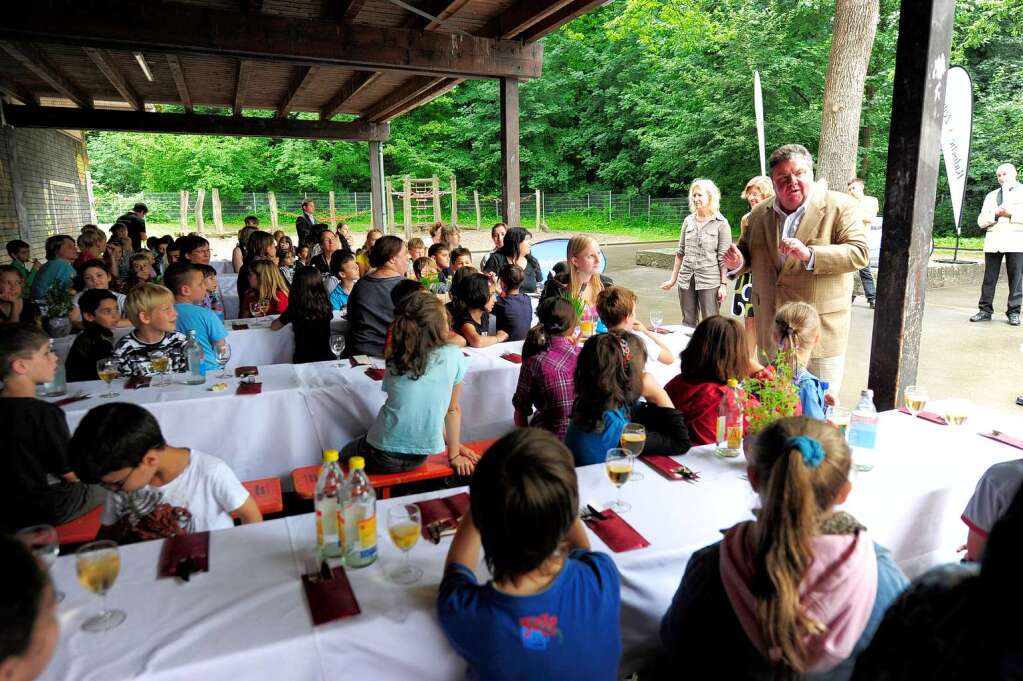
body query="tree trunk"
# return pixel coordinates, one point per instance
(867, 135)
(851, 44)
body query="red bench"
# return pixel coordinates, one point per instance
(435, 467)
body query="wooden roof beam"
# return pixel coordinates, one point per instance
(191, 124)
(349, 9)
(106, 65)
(441, 9)
(304, 77)
(16, 92)
(179, 81)
(355, 85)
(196, 29)
(241, 86)
(522, 15)
(443, 87)
(34, 61)
(415, 86)
(554, 21)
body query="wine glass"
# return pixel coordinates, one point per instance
(161, 366)
(264, 307)
(404, 524)
(107, 371)
(254, 308)
(916, 398)
(98, 565)
(223, 357)
(634, 439)
(839, 417)
(337, 346)
(656, 317)
(956, 411)
(43, 542)
(618, 465)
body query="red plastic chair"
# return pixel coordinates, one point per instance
(267, 494)
(82, 529)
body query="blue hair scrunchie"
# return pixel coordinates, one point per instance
(811, 449)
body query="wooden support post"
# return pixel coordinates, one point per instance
(184, 212)
(200, 199)
(332, 208)
(271, 200)
(454, 201)
(218, 212)
(436, 198)
(479, 217)
(406, 205)
(391, 219)
(17, 188)
(376, 186)
(510, 201)
(914, 147)
(539, 213)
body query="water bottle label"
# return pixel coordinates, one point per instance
(367, 528)
(735, 436)
(319, 527)
(865, 437)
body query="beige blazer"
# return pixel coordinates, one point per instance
(833, 228)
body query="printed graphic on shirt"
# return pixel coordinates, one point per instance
(149, 516)
(539, 632)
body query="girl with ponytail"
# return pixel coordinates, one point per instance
(797, 331)
(798, 592)
(547, 376)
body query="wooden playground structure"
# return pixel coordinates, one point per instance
(421, 203)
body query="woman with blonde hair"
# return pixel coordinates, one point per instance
(756, 190)
(581, 277)
(699, 270)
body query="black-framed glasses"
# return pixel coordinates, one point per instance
(119, 485)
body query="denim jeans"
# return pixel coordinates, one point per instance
(379, 461)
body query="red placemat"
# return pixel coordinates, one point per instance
(441, 516)
(182, 549)
(330, 599)
(242, 372)
(136, 382)
(249, 389)
(375, 373)
(926, 416)
(669, 468)
(663, 331)
(612, 529)
(1004, 439)
(71, 400)
(513, 357)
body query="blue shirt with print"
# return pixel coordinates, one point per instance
(208, 330)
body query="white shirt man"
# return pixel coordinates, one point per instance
(869, 208)
(1002, 219)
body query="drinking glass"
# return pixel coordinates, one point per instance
(254, 308)
(915, 398)
(264, 307)
(223, 357)
(337, 346)
(656, 317)
(98, 565)
(634, 439)
(107, 371)
(161, 367)
(839, 417)
(404, 524)
(44, 544)
(618, 466)
(956, 411)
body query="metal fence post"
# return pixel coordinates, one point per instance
(609, 207)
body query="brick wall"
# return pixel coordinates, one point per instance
(51, 167)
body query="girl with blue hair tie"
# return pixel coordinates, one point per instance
(797, 331)
(796, 593)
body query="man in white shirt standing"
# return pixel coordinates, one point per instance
(1002, 219)
(868, 213)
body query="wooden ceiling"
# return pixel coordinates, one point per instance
(371, 59)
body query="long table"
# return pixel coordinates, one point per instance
(247, 618)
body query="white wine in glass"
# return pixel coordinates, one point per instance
(915, 398)
(956, 412)
(839, 417)
(161, 366)
(43, 542)
(404, 524)
(98, 565)
(634, 439)
(107, 371)
(618, 466)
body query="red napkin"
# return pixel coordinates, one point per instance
(1005, 439)
(188, 547)
(239, 327)
(249, 389)
(330, 599)
(70, 400)
(242, 372)
(663, 331)
(375, 373)
(667, 466)
(442, 514)
(615, 532)
(512, 357)
(136, 382)
(926, 416)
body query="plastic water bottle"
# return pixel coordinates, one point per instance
(58, 386)
(193, 352)
(360, 516)
(329, 486)
(863, 432)
(730, 419)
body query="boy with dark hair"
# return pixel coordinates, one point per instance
(214, 299)
(551, 610)
(35, 445)
(100, 316)
(20, 253)
(61, 251)
(442, 257)
(154, 489)
(460, 257)
(343, 268)
(251, 221)
(135, 223)
(616, 306)
(185, 281)
(513, 309)
(150, 307)
(29, 628)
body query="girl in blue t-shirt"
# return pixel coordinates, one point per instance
(797, 331)
(609, 383)
(423, 381)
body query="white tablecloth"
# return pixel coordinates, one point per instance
(228, 283)
(221, 627)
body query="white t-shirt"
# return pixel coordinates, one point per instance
(995, 492)
(653, 350)
(120, 300)
(207, 488)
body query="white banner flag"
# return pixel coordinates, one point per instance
(956, 133)
(758, 107)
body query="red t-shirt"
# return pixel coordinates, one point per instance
(699, 404)
(278, 304)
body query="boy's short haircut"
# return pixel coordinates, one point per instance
(250, 219)
(22, 584)
(18, 341)
(90, 299)
(111, 437)
(615, 304)
(145, 298)
(140, 208)
(459, 252)
(415, 242)
(437, 248)
(54, 244)
(207, 270)
(153, 243)
(15, 245)
(339, 259)
(419, 263)
(511, 276)
(177, 275)
(524, 498)
(167, 239)
(90, 239)
(403, 289)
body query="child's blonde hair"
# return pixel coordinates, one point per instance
(270, 279)
(146, 297)
(797, 326)
(91, 238)
(576, 245)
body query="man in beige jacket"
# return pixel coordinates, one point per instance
(803, 245)
(1002, 219)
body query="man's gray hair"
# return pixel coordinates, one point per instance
(786, 152)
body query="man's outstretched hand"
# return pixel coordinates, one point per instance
(733, 258)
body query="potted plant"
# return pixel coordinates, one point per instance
(769, 395)
(58, 307)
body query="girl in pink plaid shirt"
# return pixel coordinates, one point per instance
(546, 379)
